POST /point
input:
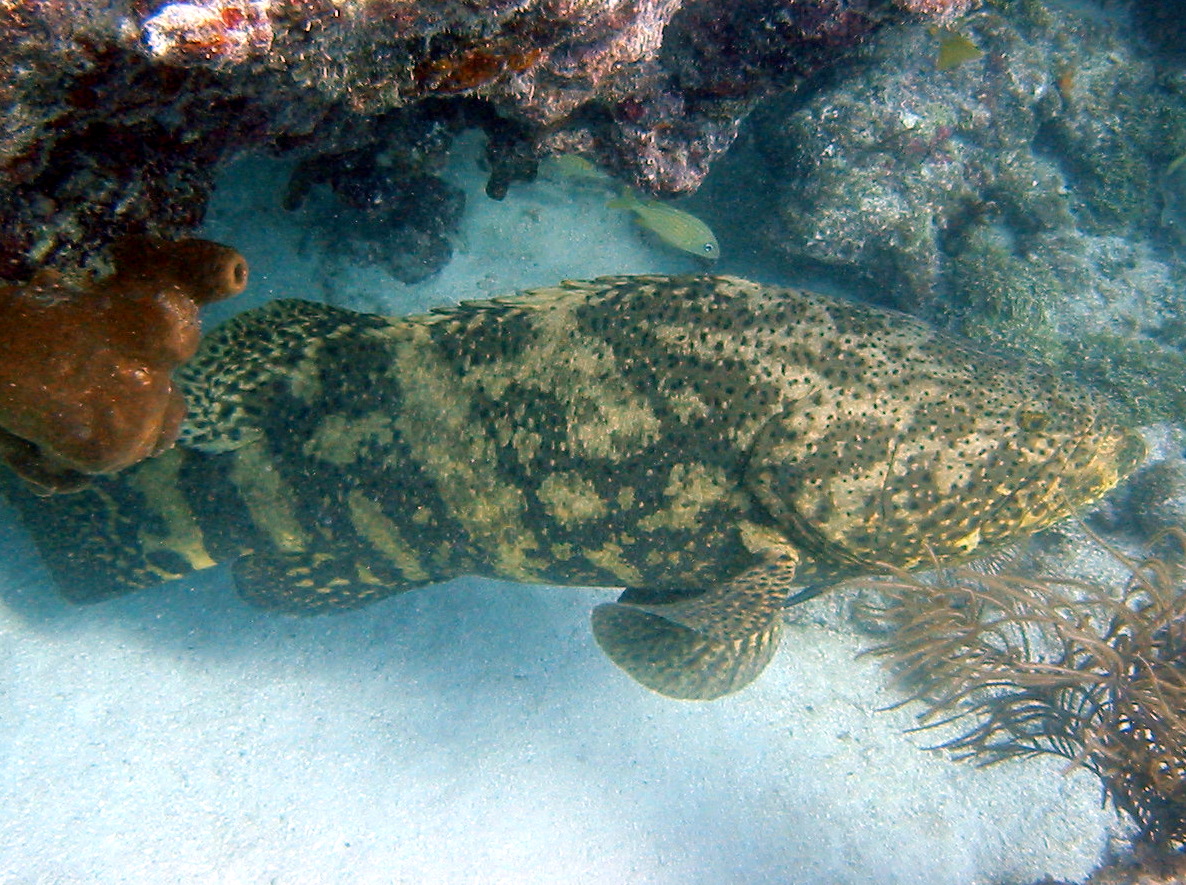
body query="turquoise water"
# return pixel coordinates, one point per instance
(474, 732)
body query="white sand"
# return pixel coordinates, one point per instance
(472, 732)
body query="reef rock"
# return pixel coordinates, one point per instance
(1016, 196)
(117, 113)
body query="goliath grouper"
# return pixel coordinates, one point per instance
(706, 442)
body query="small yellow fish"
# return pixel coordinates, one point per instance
(574, 167)
(673, 226)
(954, 49)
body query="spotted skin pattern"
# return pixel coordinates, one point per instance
(706, 441)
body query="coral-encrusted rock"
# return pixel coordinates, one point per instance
(222, 32)
(117, 112)
(884, 162)
(86, 372)
(398, 218)
(943, 8)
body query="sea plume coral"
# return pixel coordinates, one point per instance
(85, 371)
(1041, 665)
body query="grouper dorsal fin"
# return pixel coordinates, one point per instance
(540, 298)
(546, 297)
(705, 646)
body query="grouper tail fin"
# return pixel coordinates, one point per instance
(224, 383)
(132, 530)
(191, 507)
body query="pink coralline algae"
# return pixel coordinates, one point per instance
(213, 33)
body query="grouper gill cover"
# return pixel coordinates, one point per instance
(707, 443)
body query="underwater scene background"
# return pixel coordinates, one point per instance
(1008, 171)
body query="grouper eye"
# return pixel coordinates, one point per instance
(1031, 421)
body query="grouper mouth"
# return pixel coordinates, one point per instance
(1081, 472)
(1103, 459)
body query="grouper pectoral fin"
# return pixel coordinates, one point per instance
(311, 582)
(709, 645)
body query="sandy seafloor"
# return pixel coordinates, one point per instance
(472, 732)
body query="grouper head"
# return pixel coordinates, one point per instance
(941, 456)
(1068, 459)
